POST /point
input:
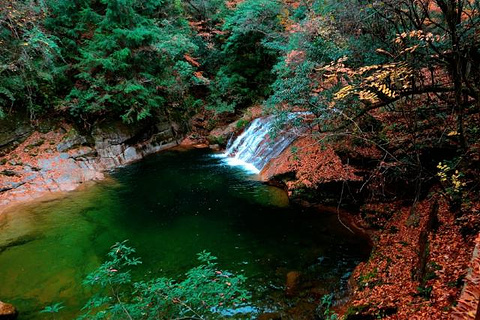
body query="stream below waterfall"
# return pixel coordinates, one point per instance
(172, 206)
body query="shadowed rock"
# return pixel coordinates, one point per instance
(17, 242)
(11, 186)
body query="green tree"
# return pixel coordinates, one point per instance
(247, 56)
(29, 58)
(130, 60)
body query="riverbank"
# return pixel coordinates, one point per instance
(421, 250)
(421, 253)
(46, 165)
(45, 161)
(418, 264)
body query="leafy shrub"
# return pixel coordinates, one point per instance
(327, 313)
(242, 123)
(205, 292)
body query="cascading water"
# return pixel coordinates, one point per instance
(254, 148)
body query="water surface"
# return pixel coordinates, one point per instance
(171, 206)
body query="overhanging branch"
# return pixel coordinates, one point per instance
(403, 94)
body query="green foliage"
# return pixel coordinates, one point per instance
(317, 43)
(28, 58)
(368, 280)
(425, 292)
(204, 293)
(430, 272)
(130, 63)
(253, 17)
(54, 308)
(326, 304)
(246, 56)
(211, 12)
(242, 123)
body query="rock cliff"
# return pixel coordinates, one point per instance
(33, 164)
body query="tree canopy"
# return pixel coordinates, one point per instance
(350, 63)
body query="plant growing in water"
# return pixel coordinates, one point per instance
(204, 293)
(53, 309)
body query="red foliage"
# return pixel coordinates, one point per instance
(312, 164)
(386, 282)
(191, 60)
(468, 304)
(231, 4)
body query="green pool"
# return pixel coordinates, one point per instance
(171, 206)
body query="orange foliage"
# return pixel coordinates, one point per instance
(312, 164)
(469, 301)
(295, 56)
(191, 60)
(386, 282)
(232, 4)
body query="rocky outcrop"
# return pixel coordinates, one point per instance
(63, 159)
(71, 140)
(118, 144)
(308, 165)
(13, 131)
(216, 130)
(292, 283)
(223, 134)
(7, 311)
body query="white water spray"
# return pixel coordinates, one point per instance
(254, 148)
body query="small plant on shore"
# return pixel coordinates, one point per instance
(368, 280)
(217, 140)
(453, 182)
(242, 124)
(294, 151)
(424, 292)
(205, 292)
(327, 313)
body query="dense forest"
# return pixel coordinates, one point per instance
(389, 90)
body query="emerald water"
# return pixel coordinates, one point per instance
(171, 206)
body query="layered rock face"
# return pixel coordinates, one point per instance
(63, 159)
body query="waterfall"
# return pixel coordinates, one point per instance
(254, 148)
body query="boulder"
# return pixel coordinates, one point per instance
(110, 140)
(123, 144)
(215, 147)
(131, 154)
(292, 283)
(7, 311)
